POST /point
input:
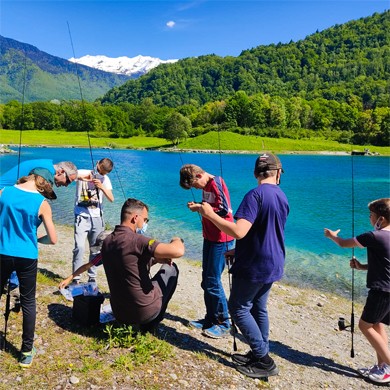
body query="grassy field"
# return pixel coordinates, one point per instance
(213, 140)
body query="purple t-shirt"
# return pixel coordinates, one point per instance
(378, 258)
(260, 255)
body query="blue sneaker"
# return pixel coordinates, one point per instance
(197, 324)
(26, 358)
(216, 332)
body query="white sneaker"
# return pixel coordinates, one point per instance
(381, 375)
(366, 371)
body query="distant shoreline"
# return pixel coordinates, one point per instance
(5, 149)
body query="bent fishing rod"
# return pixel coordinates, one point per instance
(85, 121)
(82, 98)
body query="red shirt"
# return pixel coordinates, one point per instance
(217, 195)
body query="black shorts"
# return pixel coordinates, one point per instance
(377, 308)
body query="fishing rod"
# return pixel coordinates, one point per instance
(230, 259)
(21, 127)
(353, 257)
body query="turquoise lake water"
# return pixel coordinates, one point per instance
(319, 189)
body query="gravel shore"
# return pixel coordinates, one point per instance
(305, 343)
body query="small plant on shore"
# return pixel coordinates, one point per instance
(142, 347)
(119, 336)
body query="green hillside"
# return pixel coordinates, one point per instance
(340, 63)
(45, 77)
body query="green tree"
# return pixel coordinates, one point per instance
(177, 127)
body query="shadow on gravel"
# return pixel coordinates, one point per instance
(49, 274)
(9, 347)
(188, 343)
(62, 316)
(306, 359)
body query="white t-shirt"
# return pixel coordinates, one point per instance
(88, 199)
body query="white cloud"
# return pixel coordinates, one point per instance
(171, 24)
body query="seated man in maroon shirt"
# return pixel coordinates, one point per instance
(137, 299)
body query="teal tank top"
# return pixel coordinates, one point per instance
(19, 222)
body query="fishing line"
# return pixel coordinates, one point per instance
(82, 98)
(117, 175)
(84, 116)
(85, 122)
(22, 117)
(192, 191)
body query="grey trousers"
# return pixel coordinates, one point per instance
(85, 227)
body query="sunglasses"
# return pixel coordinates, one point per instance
(146, 220)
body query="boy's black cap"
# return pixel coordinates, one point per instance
(272, 162)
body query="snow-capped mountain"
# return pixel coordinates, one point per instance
(135, 66)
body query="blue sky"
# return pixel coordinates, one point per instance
(171, 29)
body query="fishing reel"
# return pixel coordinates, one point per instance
(342, 324)
(16, 304)
(229, 260)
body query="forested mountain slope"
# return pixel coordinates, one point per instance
(47, 77)
(339, 63)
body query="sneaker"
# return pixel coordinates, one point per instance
(257, 369)
(200, 324)
(365, 371)
(91, 280)
(381, 374)
(216, 332)
(26, 358)
(241, 360)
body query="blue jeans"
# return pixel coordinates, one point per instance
(214, 295)
(248, 307)
(26, 269)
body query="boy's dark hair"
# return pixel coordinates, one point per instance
(106, 164)
(131, 206)
(188, 174)
(381, 207)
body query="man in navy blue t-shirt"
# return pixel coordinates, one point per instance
(259, 261)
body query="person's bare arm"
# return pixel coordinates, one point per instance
(107, 193)
(173, 250)
(46, 214)
(79, 271)
(237, 230)
(342, 242)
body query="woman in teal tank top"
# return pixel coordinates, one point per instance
(22, 209)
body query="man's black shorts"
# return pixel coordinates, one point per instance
(377, 308)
